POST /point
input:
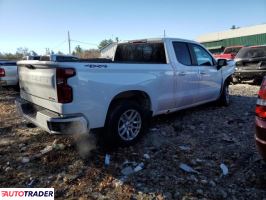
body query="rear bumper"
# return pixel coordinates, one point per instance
(249, 74)
(50, 121)
(260, 136)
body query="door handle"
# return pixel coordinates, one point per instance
(182, 73)
(203, 73)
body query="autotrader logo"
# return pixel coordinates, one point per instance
(27, 193)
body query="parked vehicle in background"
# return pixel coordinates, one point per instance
(229, 53)
(8, 73)
(260, 120)
(32, 57)
(250, 64)
(145, 78)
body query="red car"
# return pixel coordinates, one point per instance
(260, 120)
(229, 53)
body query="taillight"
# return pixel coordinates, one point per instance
(261, 101)
(2, 72)
(64, 91)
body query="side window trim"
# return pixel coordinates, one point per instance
(192, 53)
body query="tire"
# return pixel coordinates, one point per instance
(224, 99)
(125, 124)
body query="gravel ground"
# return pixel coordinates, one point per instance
(180, 158)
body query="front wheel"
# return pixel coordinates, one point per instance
(125, 124)
(224, 99)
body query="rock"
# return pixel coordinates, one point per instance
(154, 129)
(21, 145)
(31, 182)
(184, 148)
(59, 146)
(159, 197)
(127, 171)
(204, 182)
(187, 168)
(69, 178)
(107, 160)
(117, 183)
(60, 177)
(25, 160)
(139, 167)
(46, 149)
(23, 148)
(212, 183)
(224, 169)
(146, 156)
(199, 191)
(7, 169)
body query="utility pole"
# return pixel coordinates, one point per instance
(164, 33)
(69, 47)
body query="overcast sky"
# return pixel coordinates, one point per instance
(40, 24)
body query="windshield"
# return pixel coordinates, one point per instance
(232, 50)
(252, 52)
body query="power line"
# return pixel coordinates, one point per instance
(84, 42)
(59, 44)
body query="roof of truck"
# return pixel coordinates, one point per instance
(156, 40)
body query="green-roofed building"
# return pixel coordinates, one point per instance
(244, 36)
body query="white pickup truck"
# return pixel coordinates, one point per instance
(8, 73)
(64, 94)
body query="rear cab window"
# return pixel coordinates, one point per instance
(150, 53)
(182, 53)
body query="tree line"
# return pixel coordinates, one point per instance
(78, 51)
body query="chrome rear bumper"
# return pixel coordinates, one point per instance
(50, 121)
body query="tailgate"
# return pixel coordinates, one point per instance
(38, 81)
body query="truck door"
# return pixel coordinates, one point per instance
(187, 79)
(210, 79)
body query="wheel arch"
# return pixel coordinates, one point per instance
(137, 96)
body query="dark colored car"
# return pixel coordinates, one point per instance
(260, 120)
(250, 64)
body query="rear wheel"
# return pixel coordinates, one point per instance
(125, 124)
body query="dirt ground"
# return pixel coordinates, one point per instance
(179, 158)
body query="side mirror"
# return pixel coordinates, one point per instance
(221, 63)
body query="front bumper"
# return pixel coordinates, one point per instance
(260, 136)
(50, 121)
(249, 74)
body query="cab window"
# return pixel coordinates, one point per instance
(182, 53)
(203, 58)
